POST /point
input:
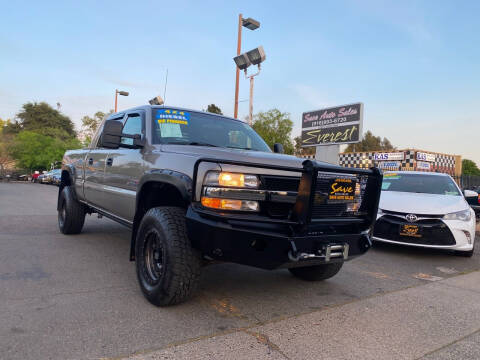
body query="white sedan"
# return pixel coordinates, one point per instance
(425, 209)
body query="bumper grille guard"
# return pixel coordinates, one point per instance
(300, 218)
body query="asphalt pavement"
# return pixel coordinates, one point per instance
(76, 297)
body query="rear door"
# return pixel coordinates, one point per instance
(95, 162)
(124, 168)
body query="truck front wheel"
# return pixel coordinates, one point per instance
(168, 268)
(316, 272)
(71, 213)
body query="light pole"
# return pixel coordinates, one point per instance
(243, 61)
(117, 92)
(251, 24)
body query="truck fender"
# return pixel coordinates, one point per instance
(181, 182)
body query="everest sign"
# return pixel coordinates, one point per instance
(336, 125)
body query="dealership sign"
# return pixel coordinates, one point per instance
(425, 156)
(422, 165)
(388, 156)
(392, 165)
(336, 125)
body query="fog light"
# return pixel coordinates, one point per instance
(229, 204)
(467, 234)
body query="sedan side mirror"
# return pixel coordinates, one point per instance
(111, 134)
(470, 193)
(278, 148)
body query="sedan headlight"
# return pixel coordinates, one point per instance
(464, 215)
(230, 191)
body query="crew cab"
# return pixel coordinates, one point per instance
(197, 187)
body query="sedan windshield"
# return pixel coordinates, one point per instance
(419, 183)
(181, 127)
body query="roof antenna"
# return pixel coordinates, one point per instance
(165, 90)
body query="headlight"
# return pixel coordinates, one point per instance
(228, 179)
(229, 198)
(464, 215)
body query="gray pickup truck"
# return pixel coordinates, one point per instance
(196, 187)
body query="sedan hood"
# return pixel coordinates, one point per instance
(416, 203)
(256, 157)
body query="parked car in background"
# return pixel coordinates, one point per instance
(427, 210)
(42, 178)
(56, 176)
(473, 198)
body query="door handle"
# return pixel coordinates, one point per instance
(109, 161)
(90, 161)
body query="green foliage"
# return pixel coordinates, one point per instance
(469, 168)
(370, 142)
(33, 150)
(299, 150)
(42, 118)
(275, 127)
(5, 145)
(214, 109)
(91, 124)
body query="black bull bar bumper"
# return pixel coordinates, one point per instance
(300, 240)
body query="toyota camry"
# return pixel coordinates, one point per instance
(425, 209)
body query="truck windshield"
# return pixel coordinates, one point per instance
(171, 126)
(419, 183)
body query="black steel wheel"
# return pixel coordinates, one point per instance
(168, 268)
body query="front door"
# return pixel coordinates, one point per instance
(123, 170)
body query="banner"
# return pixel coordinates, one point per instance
(335, 125)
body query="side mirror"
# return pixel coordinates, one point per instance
(470, 193)
(278, 148)
(112, 134)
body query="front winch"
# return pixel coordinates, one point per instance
(327, 253)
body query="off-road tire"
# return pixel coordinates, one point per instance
(316, 272)
(71, 213)
(168, 268)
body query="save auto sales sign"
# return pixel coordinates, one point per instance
(335, 125)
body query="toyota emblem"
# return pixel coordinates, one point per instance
(411, 217)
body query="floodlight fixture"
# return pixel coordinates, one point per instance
(123, 93)
(157, 100)
(250, 23)
(242, 61)
(256, 56)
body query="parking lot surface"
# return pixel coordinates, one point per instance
(76, 297)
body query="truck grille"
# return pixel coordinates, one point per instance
(320, 209)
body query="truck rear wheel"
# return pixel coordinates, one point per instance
(316, 272)
(71, 213)
(168, 268)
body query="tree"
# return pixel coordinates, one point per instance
(42, 118)
(469, 168)
(370, 142)
(90, 125)
(275, 127)
(5, 145)
(37, 151)
(214, 109)
(299, 150)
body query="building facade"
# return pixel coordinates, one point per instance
(409, 159)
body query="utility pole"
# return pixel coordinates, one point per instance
(237, 75)
(250, 105)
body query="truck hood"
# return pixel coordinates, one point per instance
(417, 203)
(256, 157)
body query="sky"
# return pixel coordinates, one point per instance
(414, 64)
